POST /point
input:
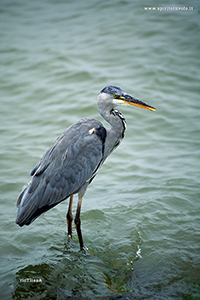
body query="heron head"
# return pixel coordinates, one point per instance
(114, 96)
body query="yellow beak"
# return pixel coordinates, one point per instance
(127, 99)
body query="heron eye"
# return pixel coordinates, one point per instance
(116, 96)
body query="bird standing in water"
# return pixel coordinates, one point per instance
(73, 160)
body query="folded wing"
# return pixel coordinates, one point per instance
(64, 169)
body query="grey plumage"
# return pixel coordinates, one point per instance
(64, 168)
(73, 160)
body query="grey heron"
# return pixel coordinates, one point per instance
(73, 160)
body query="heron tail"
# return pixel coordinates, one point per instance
(32, 202)
(25, 208)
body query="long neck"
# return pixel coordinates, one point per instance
(118, 126)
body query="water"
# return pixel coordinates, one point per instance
(141, 214)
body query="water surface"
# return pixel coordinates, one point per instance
(141, 214)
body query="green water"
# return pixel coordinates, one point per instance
(141, 214)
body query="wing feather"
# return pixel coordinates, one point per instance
(66, 166)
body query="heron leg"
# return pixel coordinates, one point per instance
(77, 222)
(69, 216)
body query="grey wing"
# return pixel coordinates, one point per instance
(66, 166)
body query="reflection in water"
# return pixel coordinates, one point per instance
(77, 274)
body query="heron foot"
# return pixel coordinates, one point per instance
(84, 248)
